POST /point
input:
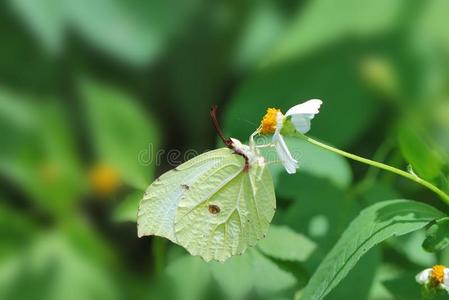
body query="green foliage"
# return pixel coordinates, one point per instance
(437, 236)
(285, 85)
(132, 33)
(45, 18)
(126, 209)
(405, 288)
(374, 225)
(52, 269)
(237, 277)
(128, 85)
(283, 243)
(363, 274)
(311, 30)
(419, 153)
(316, 162)
(318, 209)
(39, 153)
(122, 134)
(182, 270)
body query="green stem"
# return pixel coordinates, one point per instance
(159, 245)
(379, 165)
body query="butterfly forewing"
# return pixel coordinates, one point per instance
(158, 207)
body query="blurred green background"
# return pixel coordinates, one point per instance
(94, 95)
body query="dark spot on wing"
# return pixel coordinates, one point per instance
(214, 209)
(185, 187)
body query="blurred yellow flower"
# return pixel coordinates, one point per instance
(104, 179)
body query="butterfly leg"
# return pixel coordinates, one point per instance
(265, 146)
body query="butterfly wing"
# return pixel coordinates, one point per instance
(158, 207)
(225, 210)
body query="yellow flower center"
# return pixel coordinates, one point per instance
(269, 121)
(437, 274)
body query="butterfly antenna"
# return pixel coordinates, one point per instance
(247, 121)
(213, 116)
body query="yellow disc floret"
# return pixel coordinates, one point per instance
(269, 121)
(437, 274)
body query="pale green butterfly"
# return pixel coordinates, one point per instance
(215, 205)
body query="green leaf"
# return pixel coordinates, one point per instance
(315, 161)
(17, 111)
(359, 281)
(373, 225)
(38, 152)
(319, 209)
(419, 152)
(53, 268)
(111, 27)
(235, 277)
(132, 31)
(437, 236)
(240, 274)
(404, 287)
(269, 277)
(323, 22)
(410, 246)
(16, 231)
(284, 243)
(126, 211)
(190, 275)
(430, 28)
(45, 19)
(260, 35)
(124, 137)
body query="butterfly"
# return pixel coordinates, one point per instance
(215, 205)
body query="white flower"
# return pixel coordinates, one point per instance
(303, 113)
(290, 164)
(437, 276)
(300, 116)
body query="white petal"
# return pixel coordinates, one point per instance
(445, 284)
(424, 276)
(279, 120)
(290, 164)
(301, 123)
(301, 114)
(310, 107)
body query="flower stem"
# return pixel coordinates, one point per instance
(413, 177)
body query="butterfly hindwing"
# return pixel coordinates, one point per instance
(226, 210)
